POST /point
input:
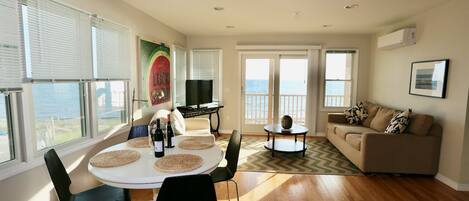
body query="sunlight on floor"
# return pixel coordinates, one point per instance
(263, 188)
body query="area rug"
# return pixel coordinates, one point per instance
(321, 158)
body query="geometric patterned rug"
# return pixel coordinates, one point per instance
(322, 158)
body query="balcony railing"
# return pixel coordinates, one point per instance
(257, 107)
(334, 101)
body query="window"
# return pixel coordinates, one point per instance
(111, 104)
(6, 141)
(206, 65)
(11, 75)
(179, 76)
(338, 78)
(111, 70)
(59, 113)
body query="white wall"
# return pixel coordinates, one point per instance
(442, 32)
(232, 70)
(35, 184)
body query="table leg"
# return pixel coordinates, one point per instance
(304, 145)
(273, 144)
(210, 118)
(295, 138)
(218, 122)
(268, 136)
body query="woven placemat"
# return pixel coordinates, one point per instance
(114, 158)
(197, 143)
(140, 142)
(178, 163)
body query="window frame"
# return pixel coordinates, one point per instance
(85, 122)
(22, 121)
(353, 80)
(13, 130)
(220, 70)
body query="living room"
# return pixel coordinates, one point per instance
(254, 54)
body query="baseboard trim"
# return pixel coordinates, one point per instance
(451, 183)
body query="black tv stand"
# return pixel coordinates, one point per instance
(188, 112)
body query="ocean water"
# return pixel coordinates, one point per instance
(293, 87)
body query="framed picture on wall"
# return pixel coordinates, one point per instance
(155, 69)
(428, 78)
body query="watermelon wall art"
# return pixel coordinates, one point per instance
(155, 72)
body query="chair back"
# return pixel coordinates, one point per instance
(138, 131)
(191, 187)
(232, 152)
(58, 175)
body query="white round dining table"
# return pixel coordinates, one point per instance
(141, 174)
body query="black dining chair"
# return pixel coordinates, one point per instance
(187, 188)
(62, 182)
(138, 131)
(232, 154)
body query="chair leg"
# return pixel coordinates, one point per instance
(127, 195)
(236, 185)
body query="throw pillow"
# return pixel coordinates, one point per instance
(178, 123)
(399, 123)
(356, 114)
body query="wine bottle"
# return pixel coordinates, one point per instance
(169, 134)
(158, 140)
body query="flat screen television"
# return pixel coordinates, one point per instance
(199, 92)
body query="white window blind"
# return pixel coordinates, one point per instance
(57, 41)
(111, 54)
(11, 68)
(180, 76)
(206, 66)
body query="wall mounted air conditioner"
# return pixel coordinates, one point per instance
(400, 38)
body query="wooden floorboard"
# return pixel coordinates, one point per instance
(285, 187)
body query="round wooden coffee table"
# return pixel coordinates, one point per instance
(285, 145)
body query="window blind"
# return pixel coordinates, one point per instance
(180, 75)
(206, 66)
(111, 50)
(57, 41)
(11, 68)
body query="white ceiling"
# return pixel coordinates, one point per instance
(197, 17)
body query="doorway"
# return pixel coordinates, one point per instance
(274, 85)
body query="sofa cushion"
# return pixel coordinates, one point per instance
(383, 118)
(399, 123)
(344, 130)
(420, 124)
(354, 140)
(356, 114)
(372, 109)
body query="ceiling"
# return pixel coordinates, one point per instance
(198, 17)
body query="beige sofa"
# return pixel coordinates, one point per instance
(416, 151)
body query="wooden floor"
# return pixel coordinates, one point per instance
(288, 187)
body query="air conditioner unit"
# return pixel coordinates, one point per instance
(400, 38)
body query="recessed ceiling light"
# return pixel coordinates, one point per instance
(230, 27)
(351, 6)
(327, 25)
(218, 8)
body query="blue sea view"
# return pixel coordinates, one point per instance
(292, 87)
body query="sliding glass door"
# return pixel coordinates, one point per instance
(273, 85)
